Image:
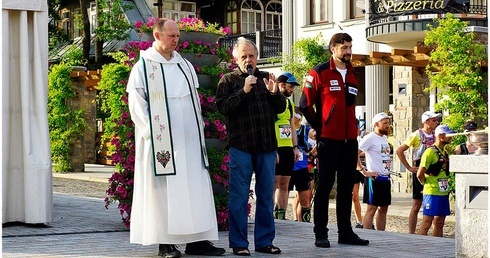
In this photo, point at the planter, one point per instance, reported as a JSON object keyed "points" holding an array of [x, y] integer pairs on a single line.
{"points": [[219, 188], [215, 143], [147, 36], [206, 81], [202, 59], [198, 36]]}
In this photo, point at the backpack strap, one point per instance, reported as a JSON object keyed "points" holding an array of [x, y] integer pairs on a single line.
{"points": [[464, 149]]}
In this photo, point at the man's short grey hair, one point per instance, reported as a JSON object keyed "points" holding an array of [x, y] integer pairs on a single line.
{"points": [[242, 40]]}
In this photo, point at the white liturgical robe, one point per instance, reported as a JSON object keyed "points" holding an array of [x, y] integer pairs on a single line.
{"points": [[178, 208]]}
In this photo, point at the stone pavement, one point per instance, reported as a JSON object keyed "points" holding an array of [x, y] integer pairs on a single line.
{"points": [[82, 227]]}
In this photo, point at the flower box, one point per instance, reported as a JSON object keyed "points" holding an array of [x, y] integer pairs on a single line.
{"points": [[201, 59], [192, 36]]}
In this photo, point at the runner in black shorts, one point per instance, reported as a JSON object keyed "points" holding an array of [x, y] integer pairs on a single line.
{"points": [[301, 178]]}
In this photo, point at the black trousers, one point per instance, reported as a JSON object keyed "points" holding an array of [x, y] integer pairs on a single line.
{"points": [[335, 158]]}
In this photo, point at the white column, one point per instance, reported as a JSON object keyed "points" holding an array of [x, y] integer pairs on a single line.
{"points": [[377, 88], [287, 27]]}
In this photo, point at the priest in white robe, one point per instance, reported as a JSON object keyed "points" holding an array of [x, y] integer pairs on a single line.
{"points": [[27, 189], [172, 199]]}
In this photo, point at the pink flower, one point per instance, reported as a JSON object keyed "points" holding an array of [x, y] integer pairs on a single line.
{"points": [[226, 31], [138, 24], [185, 44], [132, 55], [124, 99], [226, 158], [224, 167], [210, 99]]}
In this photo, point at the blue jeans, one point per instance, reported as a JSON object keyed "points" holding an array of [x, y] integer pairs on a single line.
{"points": [[241, 166]]}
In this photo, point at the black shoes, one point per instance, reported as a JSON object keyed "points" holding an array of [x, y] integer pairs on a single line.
{"points": [[168, 251], [203, 248], [352, 239], [322, 242]]}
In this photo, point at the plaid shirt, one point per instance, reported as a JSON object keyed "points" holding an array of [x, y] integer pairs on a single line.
{"points": [[250, 117]]}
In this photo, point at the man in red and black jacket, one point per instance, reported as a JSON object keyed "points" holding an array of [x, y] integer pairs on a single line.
{"points": [[328, 103]]}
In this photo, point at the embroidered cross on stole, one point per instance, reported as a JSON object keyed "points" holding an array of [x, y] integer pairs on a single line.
{"points": [[163, 155]]}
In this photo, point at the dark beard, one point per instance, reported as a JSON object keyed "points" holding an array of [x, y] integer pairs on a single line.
{"points": [[345, 60], [286, 94], [384, 132]]}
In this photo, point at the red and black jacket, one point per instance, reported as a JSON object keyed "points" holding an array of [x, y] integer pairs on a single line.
{"points": [[328, 103]]}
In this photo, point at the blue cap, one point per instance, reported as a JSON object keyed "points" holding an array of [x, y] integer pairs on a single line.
{"points": [[442, 129], [287, 78]]}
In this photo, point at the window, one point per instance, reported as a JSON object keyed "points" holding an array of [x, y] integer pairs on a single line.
{"points": [[251, 16], [177, 10], [273, 15], [231, 16], [93, 17], [357, 9], [318, 11]]}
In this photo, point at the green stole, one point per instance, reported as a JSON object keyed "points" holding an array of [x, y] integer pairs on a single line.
{"points": [[162, 150]]}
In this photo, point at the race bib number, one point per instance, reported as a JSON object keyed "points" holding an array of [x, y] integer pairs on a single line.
{"points": [[443, 185], [285, 131], [301, 157]]}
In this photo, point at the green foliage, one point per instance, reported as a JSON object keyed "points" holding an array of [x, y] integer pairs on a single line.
{"points": [[65, 123], [111, 20], [112, 88], [73, 57], [462, 89], [306, 53], [119, 56]]}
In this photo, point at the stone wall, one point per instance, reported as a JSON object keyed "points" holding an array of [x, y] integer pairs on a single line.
{"points": [[410, 102], [83, 148]]}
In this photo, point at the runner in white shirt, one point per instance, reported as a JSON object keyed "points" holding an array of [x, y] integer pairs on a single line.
{"points": [[377, 185]]}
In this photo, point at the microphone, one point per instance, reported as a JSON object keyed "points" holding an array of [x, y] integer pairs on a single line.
{"points": [[250, 70]]}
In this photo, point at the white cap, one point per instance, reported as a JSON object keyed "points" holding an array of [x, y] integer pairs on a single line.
{"points": [[380, 116], [442, 129], [428, 115]]}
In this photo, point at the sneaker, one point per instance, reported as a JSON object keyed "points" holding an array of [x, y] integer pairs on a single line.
{"points": [[168, 251], [359, 225], [203, 248], [280, 214], [352, 239]]}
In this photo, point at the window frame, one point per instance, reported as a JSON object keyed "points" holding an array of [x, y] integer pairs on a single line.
{"points": [[277, 14], [328, 15], [256, 13]]}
